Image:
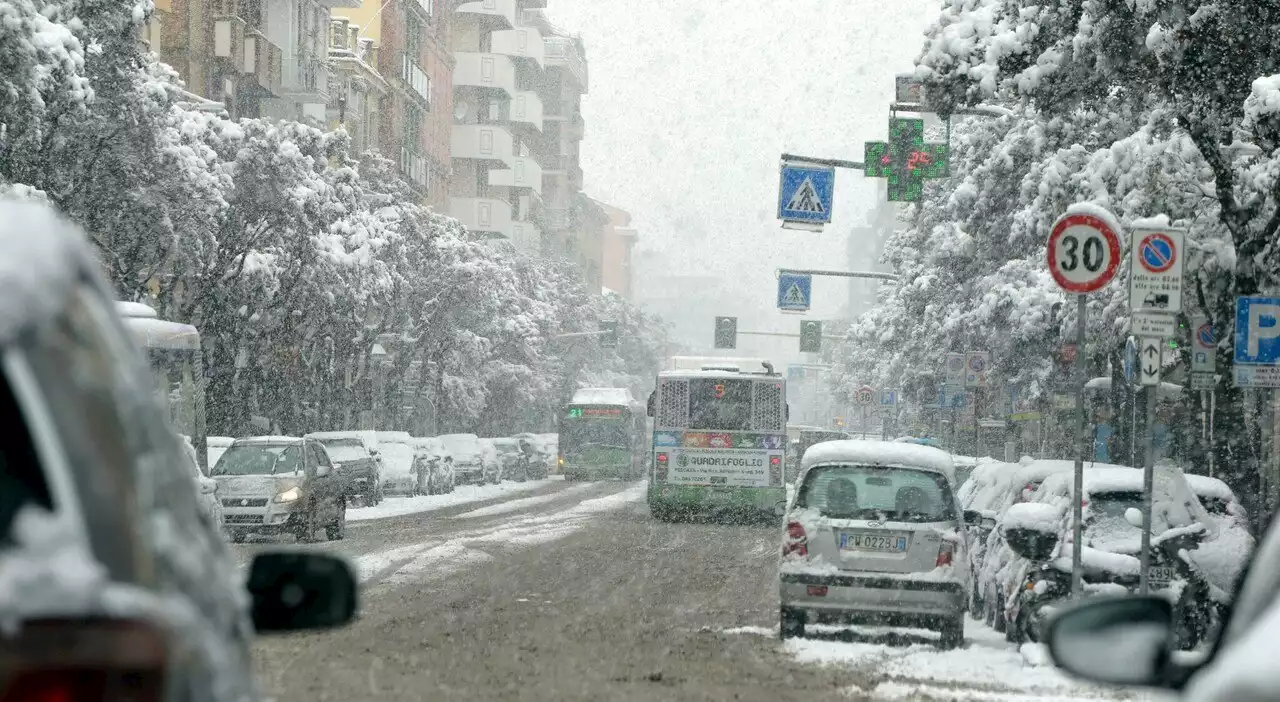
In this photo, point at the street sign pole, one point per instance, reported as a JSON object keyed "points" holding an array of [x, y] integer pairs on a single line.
{"points": [[1148, 477], [1077, 513], [1083, 256]]}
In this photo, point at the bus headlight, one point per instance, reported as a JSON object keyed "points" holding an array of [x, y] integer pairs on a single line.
{"points": [[290, 495]]}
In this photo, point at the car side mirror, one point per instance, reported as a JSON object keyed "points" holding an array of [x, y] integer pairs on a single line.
{"points": [[208, 487], [297, 591], [322, 471], [1119, 641], [972, 517], [779, 508]]}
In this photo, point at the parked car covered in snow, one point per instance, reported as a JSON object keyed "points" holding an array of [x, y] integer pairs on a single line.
{"points": [[116, 586], [467, 455], [873, 535], [357, 452], [491, 461], [539, 453], [397, 449], [1207, 556], [432, 467], [513, 465]]}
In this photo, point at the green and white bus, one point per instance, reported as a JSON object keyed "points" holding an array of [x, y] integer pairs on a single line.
{"points": [[719, 442], [602, 436]]}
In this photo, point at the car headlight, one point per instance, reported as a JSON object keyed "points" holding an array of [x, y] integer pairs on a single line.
{"points": [[289, 495]]}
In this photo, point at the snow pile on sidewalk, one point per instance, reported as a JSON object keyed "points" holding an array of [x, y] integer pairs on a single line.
{"points": [[463, 494], [906, 664]]}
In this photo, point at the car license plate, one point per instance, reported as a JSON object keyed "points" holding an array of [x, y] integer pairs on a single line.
{"points": [[879, 543], [1159, 575]]}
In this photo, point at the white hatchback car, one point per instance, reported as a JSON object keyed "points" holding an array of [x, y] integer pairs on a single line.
{"points": [[874, 536]]}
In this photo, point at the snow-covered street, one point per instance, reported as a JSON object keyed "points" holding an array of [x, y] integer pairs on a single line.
{"points": [[572, 591]]}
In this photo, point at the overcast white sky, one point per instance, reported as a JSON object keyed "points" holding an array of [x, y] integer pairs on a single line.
{"points": [[692, 101]]}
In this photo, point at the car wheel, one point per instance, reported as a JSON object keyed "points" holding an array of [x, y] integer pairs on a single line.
{"points": [[952, 634], [338, 530], [791, 623], [306, 530]]}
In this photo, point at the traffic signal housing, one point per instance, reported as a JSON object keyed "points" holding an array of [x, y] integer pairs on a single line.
{"points": [[608, 335], [810, 336], [726, 332]]}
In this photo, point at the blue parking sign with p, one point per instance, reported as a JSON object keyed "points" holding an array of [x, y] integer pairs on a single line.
{"points": [[1257, 331]]}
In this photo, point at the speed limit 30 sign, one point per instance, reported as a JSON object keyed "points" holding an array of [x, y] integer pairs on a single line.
{"points": [[1084, 252]]}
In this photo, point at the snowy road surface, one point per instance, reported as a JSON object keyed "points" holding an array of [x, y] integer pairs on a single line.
{"points": [[570, 591]]}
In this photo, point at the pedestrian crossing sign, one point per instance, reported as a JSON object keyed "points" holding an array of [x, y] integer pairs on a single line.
{"points": [[804, 194], [793, 292]]}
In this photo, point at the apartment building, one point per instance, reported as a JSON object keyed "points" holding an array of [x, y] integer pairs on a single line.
{"points": [[408, 45], [260, 58], [617, 239]]}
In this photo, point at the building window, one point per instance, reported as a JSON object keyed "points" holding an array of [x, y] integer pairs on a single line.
{"points": [[413, 127], [413, 37]]}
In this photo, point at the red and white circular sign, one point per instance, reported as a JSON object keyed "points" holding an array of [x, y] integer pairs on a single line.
{"points": [[1084, 252], [865, 395]]}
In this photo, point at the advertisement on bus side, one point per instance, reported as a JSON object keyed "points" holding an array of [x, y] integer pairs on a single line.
{"points": [[728, 468]]}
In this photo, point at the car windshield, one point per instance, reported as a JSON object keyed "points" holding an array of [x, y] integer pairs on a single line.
{"points": [[345, 449], [719, 261], [258, 459], [877, 493]]}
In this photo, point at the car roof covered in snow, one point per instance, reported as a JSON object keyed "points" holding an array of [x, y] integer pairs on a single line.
{"points": [[602, 396], [879, 453], [43, 255], [267, 440], [401, 437], [1104, 477], [363, 435]]}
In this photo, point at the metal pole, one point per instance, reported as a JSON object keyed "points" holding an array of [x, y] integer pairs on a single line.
{"points": [[833, 162], [1213, 407], [839, 274], [1078, 492], [955, 420], [1148, 477]]}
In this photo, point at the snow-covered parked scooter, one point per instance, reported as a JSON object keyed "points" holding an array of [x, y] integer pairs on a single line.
{"points": [[1031, 531], [1197, 609]]}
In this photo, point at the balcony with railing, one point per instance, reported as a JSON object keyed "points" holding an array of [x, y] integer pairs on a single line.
{"points": [[484, 70], [521, 42], [503, 11], [563, 52], [486, 142], [414, 78], [264, 61], [306, 78], [482, 214], [522, 172], [526, 107]]}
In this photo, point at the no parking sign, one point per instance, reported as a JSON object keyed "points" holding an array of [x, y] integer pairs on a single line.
{"points": [[1155, 270]]}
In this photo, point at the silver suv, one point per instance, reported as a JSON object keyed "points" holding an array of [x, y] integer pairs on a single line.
{"points": [[874, 536]]}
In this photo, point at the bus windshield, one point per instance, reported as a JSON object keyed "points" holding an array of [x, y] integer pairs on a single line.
{"points": [[599, 432], [175, 374], [720, 404]]}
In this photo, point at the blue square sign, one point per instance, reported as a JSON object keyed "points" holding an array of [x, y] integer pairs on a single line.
{"points": [[793, 292], [805, 193], [1257, 331]]}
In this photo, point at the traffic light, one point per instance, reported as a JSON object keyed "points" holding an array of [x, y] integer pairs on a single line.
{"points": [[726, 332], [608, 335], [810, 337]]}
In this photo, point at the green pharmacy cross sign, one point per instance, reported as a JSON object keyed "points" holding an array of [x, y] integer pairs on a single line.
{"points": [[906, 160]]}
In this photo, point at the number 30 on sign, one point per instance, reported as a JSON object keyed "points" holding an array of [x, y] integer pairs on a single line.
{"points": [[1084, 252]]}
